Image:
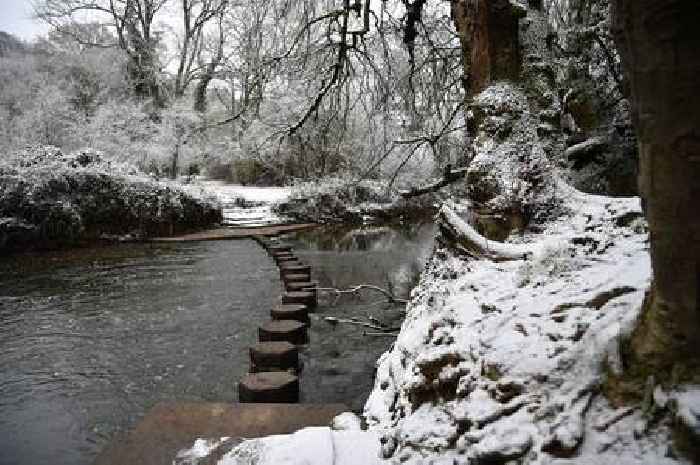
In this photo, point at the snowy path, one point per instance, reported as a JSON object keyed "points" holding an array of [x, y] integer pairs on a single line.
{"points": [[245, 206]]}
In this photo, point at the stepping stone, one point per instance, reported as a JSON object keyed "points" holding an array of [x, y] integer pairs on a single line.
{"points": [[295, 278], [307, 298], [279, 253], [302, 286], [272, 248], [299, 312], [294, 268], [269, 387], [283, 330], [274, 356], [286, 259]]}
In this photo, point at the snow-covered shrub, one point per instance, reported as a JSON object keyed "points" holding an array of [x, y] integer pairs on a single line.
{"points": [[56, 199]]}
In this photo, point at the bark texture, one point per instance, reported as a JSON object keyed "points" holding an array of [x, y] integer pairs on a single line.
{"points": [[488, 33], [660, 47]]}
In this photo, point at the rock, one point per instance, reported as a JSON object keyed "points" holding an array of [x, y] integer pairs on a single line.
{"points": [[274, 356], [298, 312], [269, 387], [295, 278], [294, 268], [283, 330], [286, 259], [502, 446], [347, 421], [310, 286], [272, 248], [281, 253], [306, 298]]}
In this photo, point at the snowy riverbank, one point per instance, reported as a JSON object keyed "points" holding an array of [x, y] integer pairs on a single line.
{"points": [[503, 361]]}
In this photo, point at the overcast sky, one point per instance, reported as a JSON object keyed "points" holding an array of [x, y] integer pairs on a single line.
{"points": [[16, 18]]}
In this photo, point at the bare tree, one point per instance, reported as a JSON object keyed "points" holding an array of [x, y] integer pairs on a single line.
{"points": [[133, 24]]}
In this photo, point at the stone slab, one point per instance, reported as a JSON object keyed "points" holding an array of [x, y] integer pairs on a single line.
{"points": [[283, 330], [172, 426], [269, 386], [234, 233]]}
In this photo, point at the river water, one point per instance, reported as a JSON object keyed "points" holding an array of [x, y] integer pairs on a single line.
{"points": [[91, 338]]}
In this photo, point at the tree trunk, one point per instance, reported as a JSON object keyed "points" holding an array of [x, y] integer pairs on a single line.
{"points": [[660, 46], [200, 91], [488, 34]]}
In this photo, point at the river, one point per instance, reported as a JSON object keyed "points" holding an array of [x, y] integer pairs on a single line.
{"points": [[91, 338]]}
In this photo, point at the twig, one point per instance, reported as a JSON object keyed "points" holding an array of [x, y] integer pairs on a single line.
{"points": [[365, 333], [356, 290], [334, 320]]}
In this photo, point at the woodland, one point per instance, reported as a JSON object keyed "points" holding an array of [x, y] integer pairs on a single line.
{"points": [[556, 143]]}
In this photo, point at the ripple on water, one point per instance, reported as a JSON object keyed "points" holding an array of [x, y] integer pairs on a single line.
{"points": [[92, 338]]}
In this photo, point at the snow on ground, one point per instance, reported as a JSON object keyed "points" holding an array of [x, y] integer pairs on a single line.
{"points": [[342, 444], [503, 360], [245, 206]]}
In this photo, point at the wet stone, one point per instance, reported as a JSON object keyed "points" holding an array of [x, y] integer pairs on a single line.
{"points": [[272, 248], [295, 278], [307, 298], [274, 356], [302, 286], [298, 312], [286, 259], [269, 387], [294, 269], [283, 330], [281, 253]]}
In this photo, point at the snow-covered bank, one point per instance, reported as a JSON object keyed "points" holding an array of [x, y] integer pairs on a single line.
{"points": [[342, 443], [500, 361], [503, 361], [51, 199]]}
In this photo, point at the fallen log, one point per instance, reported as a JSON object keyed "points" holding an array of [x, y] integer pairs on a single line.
{"points": [[454, 229]]}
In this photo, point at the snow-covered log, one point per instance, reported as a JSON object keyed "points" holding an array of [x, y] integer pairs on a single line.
{"points": [[456, 229]]}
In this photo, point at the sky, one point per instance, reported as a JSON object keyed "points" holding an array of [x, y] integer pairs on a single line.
{"points": [[16, 18]]}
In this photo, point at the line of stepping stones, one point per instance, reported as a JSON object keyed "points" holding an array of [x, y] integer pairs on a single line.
{"points": [[274, 360]]}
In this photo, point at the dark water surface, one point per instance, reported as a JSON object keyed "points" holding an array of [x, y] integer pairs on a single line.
{"points": [[90, 339]]}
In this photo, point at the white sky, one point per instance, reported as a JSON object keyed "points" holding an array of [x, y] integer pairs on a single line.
{"points": [[16, 18]]}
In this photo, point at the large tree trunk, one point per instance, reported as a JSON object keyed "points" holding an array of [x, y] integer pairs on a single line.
{"points": [[660, 45], [488, 34]]}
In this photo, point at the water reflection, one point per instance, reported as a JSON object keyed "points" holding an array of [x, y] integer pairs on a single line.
{"points": [[340, 360]]}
